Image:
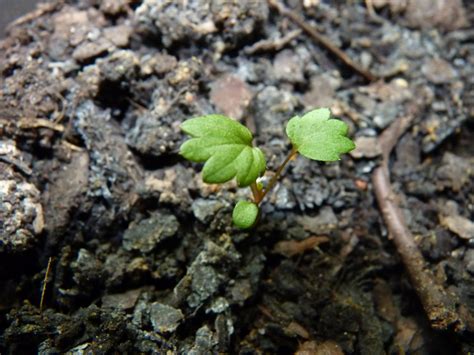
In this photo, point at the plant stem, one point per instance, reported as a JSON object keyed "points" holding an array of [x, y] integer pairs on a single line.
{"points": [[275, 177], [255, 192]]}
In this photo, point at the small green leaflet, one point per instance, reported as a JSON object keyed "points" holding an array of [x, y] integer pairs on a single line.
{"points": [[226, 147], [319, 137], [245, 214]]}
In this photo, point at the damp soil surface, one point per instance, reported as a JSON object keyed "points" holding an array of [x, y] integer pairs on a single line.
{"points": [[140, 256]]}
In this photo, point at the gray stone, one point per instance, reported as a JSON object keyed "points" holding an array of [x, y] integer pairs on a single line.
{"points": [[114, 7], [366, 147], [324, 222], [469, 261], [202, 280], [205, 282], [120, 65], [386, 113], [443, 14], [438, 71], [288, 66], [123, 301], [322, 91], [313, 195], [204, 343], [455, 171], [21, 212], [173, 21], [164, 318], [118, 35], [89, 50], [231, 96], [148, 233], [241, 291], [284, 199], [204, 210], [274, 104], [219, 305], [176, 21], [459, 225]]}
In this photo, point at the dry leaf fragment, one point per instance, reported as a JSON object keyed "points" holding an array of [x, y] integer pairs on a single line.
{"points": [[289, 248]]}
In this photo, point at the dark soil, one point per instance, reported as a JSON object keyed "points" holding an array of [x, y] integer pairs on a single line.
{"points": [[143, 255]]}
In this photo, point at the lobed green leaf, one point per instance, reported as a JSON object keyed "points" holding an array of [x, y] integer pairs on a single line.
{"points": [[317, 136], [226, 147], [217, 126]]}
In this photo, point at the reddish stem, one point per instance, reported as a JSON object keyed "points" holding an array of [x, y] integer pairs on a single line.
{"points": [[275, 177], [255, 192]]}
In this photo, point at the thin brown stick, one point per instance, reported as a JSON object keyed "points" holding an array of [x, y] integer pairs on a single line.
{"points": [[440, 308], [370, 10], [41, 9], [272, 44], [45, 283], [322, 40], [19, 164], [276, 176], [256, 192], [30, 123]]}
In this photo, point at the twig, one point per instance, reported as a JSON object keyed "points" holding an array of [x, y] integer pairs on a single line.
{"points": [[256, 192], [45, 282], [439, 307], [322, 40], [370, 10], [20, 165], [276, 176], [71, 146], [29, 123], [41, 9], [62, 113], [272, 44]]}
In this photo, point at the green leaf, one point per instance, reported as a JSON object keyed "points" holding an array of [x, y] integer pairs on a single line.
{"points": [[226, 147], [319, 137], [245, 214]]}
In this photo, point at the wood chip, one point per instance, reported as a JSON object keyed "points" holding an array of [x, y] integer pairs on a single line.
{"points": [[289, 248]]}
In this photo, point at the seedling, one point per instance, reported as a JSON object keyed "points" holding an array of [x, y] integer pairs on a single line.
{"points": [[226, 148]]}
